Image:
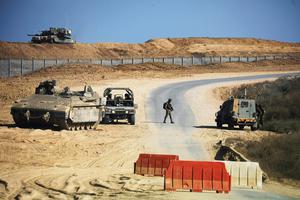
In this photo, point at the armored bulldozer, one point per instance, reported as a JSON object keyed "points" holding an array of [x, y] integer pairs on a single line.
{"points": [[119, 105], [71, 110], [53, 35], [237, 112]]}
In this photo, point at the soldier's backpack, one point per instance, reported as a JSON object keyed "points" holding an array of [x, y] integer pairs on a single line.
{"points": [[165, 105]]}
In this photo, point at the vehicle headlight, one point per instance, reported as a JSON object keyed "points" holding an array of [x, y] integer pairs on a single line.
{"points": [[126, 112], [113, 111]]}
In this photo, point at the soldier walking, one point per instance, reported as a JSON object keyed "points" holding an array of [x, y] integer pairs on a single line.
{"points": [[168, 108], [260, 114]]}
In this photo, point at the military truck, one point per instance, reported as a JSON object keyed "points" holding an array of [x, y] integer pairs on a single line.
{"points": [[237, 112], [71, 110], [53, 35], [119, 105]]}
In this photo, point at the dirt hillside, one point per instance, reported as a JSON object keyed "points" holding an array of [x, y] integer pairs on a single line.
{"points": [[151, 48]]}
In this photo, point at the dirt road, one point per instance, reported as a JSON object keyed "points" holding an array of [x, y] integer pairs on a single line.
{"points": [[181, 138], [50, 164]]}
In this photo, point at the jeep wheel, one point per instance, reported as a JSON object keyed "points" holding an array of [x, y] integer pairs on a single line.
{"points": [[20, 120], [241, 127], [106, 120], [219, 124], [230, 126], [131, 119], [254, 127]]}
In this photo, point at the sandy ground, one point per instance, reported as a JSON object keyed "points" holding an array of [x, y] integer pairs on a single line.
{"points": [[152, 48], [49, 164]]}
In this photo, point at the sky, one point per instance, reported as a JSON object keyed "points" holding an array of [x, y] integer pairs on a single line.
{"points": [[136, 21]]}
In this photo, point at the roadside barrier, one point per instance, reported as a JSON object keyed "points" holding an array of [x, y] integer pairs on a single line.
{"points": [[197, 176], [153, 164], [244, 174]]}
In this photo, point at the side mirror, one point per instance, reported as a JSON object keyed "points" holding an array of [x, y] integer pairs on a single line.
{"points": [[220, 107]]}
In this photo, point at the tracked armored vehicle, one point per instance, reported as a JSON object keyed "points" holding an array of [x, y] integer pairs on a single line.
{"points": [[237, 112], [119, 105], [67, 109], [53, 35]]}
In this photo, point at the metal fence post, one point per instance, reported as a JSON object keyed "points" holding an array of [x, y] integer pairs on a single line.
{"points": [[143, 60], [247, 59], [56, 61], [21, 66], [220, 59], [44, 63], [192, 60], [181, 61], [9, 66], [132, 60], [32, 65]]}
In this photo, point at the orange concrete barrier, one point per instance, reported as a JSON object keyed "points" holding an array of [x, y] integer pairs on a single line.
{"points": [[197, 176], [153, 164]]}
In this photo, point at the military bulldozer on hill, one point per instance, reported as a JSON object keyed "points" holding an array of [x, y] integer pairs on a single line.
{"points": [[119, 105], [238, 112], [71, 110], [53, 35]]}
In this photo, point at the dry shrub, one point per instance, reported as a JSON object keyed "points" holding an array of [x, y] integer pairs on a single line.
{"points": [[278, 156]]}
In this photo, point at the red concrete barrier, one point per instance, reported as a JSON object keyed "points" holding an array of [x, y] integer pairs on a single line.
{"points": [[153, 164], [197, 176]]}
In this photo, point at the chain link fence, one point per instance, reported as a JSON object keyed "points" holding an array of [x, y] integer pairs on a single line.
{"points": [[16, 67]]}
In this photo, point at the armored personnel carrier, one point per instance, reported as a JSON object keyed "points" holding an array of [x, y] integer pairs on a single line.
{"points": [[119, 105], [237, 112], [67, 109], [53, 35]]}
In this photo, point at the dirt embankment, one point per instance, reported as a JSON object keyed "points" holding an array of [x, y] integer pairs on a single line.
{"points": [[152, 48]]}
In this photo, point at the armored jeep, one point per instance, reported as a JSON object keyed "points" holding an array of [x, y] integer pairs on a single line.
{"points": [[67, 109], [119, 105], [237, 112]]}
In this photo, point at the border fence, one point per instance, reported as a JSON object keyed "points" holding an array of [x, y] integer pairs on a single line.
{"points": [[16, 67]]}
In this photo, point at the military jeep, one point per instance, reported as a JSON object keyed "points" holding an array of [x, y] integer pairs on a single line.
{"points": [[119, 105], [237, 112]]}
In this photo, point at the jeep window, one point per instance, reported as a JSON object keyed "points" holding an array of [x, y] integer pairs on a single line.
{"points": [[244, 104]]}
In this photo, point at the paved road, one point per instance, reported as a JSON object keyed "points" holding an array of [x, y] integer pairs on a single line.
{"points": [[177, 138]]}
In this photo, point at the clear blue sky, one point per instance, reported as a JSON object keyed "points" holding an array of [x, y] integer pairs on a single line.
{"points": [[136, 21]]}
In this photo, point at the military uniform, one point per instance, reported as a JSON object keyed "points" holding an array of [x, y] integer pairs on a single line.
{"points": [[260, 113], [168, 108]]}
